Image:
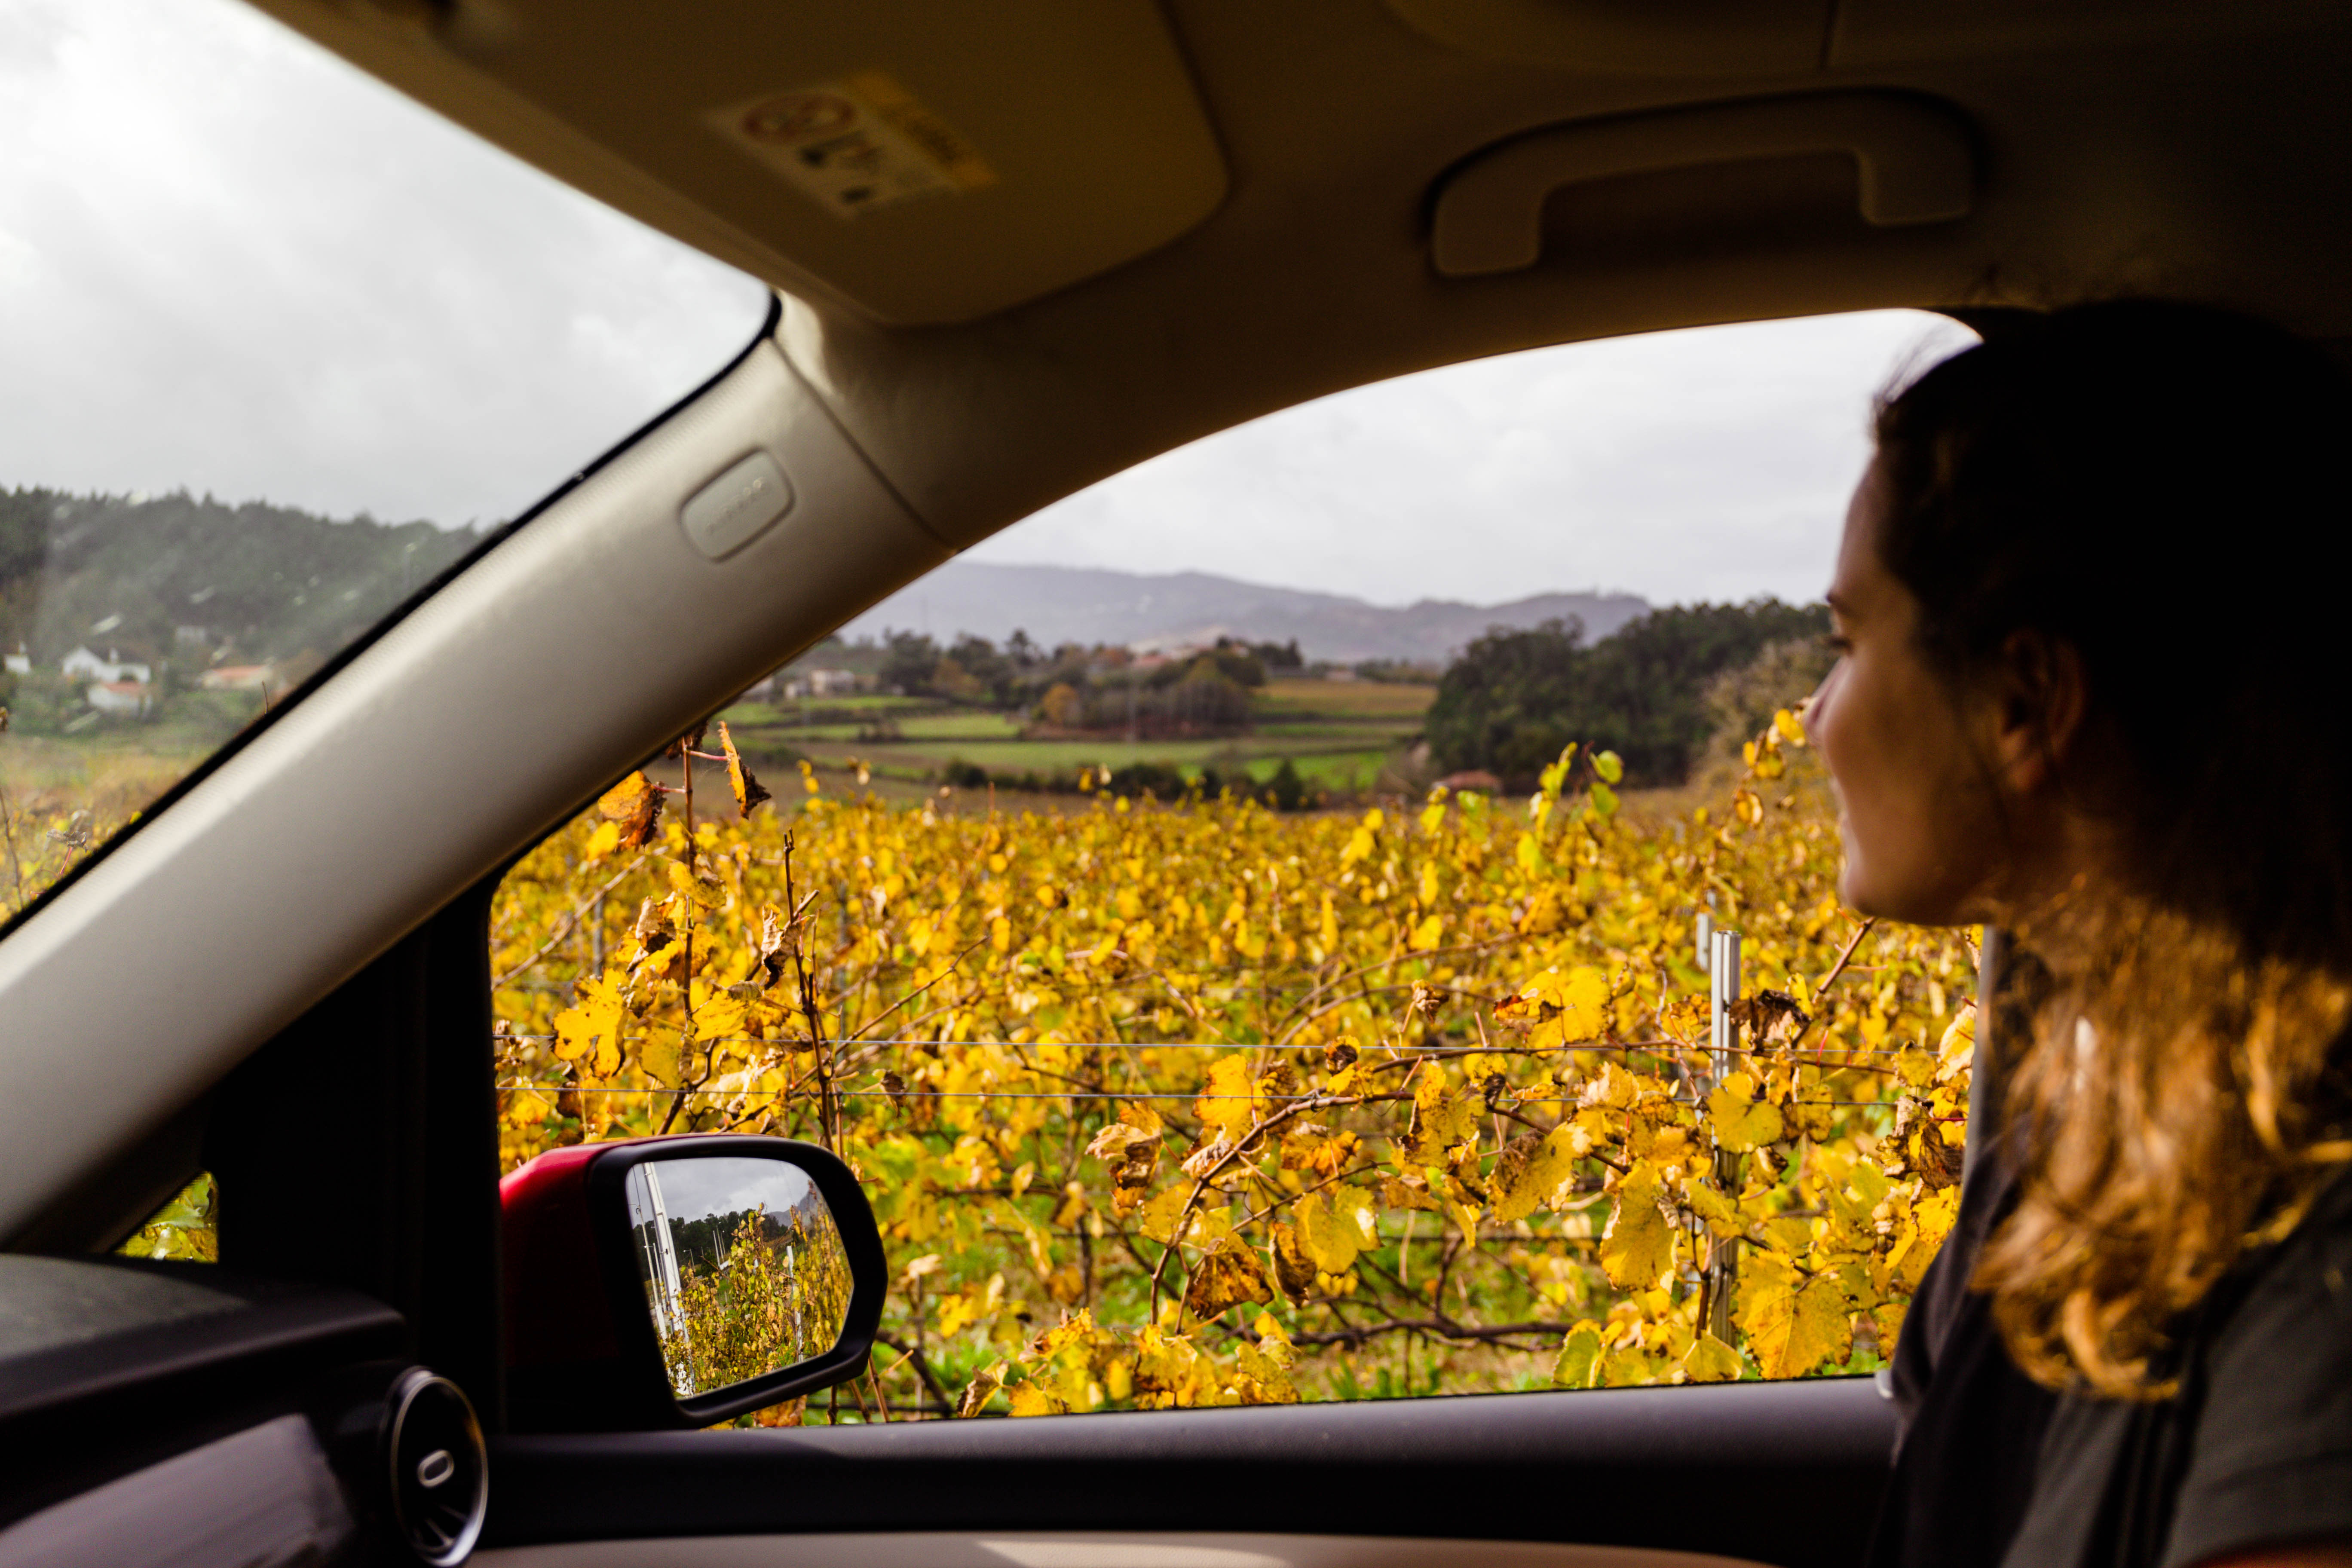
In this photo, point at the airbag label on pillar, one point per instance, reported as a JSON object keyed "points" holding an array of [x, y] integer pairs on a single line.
{"points": [[737, 507]]}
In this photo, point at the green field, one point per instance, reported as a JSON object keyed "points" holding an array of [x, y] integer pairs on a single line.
{"points": [[1344, 738]]}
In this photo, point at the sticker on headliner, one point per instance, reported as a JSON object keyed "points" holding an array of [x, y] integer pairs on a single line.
{"points": [[856, 144]]}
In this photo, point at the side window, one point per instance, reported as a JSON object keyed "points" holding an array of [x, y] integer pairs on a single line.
{"points": [[1232, 994], [283, 348]]}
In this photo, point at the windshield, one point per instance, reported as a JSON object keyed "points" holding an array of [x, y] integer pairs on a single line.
{"points": [[283, 348]]}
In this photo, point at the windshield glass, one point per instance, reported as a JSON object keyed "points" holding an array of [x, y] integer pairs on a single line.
{"points": [[282, 347]]}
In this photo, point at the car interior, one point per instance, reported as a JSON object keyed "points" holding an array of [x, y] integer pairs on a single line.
{"points": [[1125, 225]]}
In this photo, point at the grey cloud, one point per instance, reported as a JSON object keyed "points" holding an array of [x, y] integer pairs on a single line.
{"points": [[1712, 463], [231, 263]]}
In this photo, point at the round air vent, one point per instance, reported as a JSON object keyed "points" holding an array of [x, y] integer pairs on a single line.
{"points": [[440, 1472]]}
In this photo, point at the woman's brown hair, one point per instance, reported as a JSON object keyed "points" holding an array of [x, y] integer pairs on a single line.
{"points": [[2160, 487]]}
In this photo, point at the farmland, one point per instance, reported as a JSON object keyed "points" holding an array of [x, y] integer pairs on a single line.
{"points": [[1344, 737]]}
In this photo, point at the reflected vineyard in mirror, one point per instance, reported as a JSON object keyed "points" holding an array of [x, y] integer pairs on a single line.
{"points": [[742, 1264]]}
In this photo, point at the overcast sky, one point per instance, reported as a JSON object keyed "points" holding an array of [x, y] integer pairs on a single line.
{"points": [[231, 263], [697, 1189], [1708, 464]]}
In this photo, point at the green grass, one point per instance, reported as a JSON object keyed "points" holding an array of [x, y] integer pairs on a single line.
{"points": [[767, 715], [1351, 699], [1042, 756], [790, 734], [1307, 730], [961, 727], [1340, 735], [1329, 769]]}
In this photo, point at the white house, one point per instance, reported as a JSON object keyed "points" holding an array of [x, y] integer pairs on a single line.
{"points": [[82, 664], [17, 663], [131, 698], [820, 683]]}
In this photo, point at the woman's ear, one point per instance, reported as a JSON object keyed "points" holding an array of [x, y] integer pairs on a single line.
{"points": [[2039, 700]]}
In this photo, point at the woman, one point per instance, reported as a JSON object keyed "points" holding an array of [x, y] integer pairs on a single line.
{"points": [[2092, 692]]}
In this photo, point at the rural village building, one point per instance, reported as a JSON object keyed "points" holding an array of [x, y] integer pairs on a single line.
{"points": [[238, 678], [130, 699], [83, 665]]}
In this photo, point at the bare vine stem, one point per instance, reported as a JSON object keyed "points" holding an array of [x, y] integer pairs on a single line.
{"points": [[1831, 979]]}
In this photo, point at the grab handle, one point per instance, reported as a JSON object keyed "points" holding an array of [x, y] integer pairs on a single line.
{"points": [[1916, 162]]}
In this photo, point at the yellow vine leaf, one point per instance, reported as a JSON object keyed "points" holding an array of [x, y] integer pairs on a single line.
{"points": [[1226, 1276], [591, 1027], [1956, 1050], [1722, 1216], [1113, 1141], [1529, 1173], [1711, 1361], [1334, 1226], [1293, 1269], [1226, 1100], [746, 787], [1741, 1121], [981, 1390], [1565, 1009], [719, 1021], [1441, 1118], [1579, 1364], [1638, 1246], [1202, 1228], [635, 806], [1792, 1322]]}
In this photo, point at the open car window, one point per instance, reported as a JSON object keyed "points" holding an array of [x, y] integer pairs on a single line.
{"points": [[1233, 994], [284, 348]]}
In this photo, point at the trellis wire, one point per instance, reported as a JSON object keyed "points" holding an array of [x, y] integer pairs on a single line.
{"points": [[1039, 1094], [1653, 1047]]}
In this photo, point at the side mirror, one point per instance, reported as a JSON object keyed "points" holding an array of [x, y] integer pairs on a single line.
{"points": [[679, 1282]]}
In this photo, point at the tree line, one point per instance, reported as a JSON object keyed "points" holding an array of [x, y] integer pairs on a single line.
{"points": [[1653, 692]]}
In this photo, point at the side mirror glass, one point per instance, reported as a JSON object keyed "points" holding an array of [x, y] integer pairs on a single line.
{"points": [[682, 1281], [742, 1265]]}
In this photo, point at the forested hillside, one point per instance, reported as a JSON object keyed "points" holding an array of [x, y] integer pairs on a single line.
{"points": [[1515, 698], [205, 578]]}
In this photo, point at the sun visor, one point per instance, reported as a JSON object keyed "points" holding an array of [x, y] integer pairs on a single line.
{"points": [[926, 164]]}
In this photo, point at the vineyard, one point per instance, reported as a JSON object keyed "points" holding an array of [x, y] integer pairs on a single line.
{"points": [[1195, 1103]]}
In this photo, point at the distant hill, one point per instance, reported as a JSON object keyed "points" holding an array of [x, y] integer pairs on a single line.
{"points": [[1056, 604], [178, 575]]}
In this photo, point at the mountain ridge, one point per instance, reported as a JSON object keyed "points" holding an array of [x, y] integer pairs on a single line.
{"points": [[1055, 605]]}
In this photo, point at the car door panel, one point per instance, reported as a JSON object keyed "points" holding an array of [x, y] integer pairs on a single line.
{"points": [[263, 1496], [1086, 1549], [1781, 1472], [107, 1368]]}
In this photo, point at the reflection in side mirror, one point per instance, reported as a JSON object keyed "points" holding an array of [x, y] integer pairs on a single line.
{"points": [[743, 1269]]}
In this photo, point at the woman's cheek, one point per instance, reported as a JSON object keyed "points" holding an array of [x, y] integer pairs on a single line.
{"points": [[1852, 741]]}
